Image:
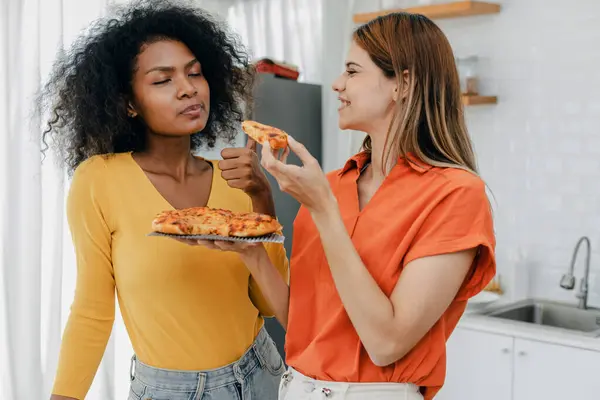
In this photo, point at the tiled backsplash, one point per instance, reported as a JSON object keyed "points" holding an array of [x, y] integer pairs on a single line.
{"points": [[539, 147]]}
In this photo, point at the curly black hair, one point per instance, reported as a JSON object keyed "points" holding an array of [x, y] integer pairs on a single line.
{"points": [[88, 90]]}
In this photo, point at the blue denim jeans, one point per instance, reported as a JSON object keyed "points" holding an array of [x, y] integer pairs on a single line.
{"points": [[255, 376]]}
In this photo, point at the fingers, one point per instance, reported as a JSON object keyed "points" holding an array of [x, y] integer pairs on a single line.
{"points": [[237, 173], [225, 246], [219, 244], [276, 167], [206, 243], [190, 242], [268, 159], [276, 153], [237, 183], [234, 152], [284, 156], [251, 144], [245, 159], [235, 246]]}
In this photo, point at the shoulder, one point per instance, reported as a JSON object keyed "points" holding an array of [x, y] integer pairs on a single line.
{"points": [[333, 175], [100, 164], [457, 179], [88, 176], [91, 166], [456, 191], [92, 177]]}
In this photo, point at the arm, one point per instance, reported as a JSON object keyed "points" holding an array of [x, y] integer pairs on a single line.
{"points": [[268, 266], [262, 202], [436, 268], [390, 327], [269, 285], [269, 275], [93, 309]]}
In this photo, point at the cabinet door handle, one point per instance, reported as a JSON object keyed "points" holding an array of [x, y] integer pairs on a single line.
{"points": [[506, 350], [522, 353]]}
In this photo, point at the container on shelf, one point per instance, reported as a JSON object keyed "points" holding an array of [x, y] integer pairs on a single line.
{"points": [[468, 75]]}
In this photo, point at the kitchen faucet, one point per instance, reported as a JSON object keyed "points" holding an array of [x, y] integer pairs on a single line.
{"points": [[568, 280]]}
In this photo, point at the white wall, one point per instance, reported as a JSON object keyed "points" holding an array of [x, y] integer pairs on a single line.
{"points": [[539, 147]]}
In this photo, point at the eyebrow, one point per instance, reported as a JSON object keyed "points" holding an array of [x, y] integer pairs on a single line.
{"points": [[171, 69], [352, 64]]}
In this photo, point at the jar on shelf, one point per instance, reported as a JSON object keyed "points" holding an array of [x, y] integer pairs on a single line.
{"points": [[468, 75]]}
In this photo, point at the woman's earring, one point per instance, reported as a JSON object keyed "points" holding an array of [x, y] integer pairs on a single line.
{"points": [[131, 114]]}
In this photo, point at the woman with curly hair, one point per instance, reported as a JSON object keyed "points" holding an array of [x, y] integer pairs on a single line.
{"points": [[129, 105]]}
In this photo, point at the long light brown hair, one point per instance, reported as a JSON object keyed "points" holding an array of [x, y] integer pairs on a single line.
{"points": [[428, 121]]}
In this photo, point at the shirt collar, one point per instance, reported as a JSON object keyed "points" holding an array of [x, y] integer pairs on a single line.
{"points": [[358, 161]]}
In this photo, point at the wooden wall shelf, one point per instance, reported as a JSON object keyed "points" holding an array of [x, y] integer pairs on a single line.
{"points": [[478, 100], [438, 11]]}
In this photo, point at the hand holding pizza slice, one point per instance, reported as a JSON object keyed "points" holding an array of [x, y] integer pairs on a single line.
{"points": [[306, 183]]}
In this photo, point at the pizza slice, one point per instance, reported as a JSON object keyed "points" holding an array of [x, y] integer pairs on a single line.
{"points": [[276, 137]]}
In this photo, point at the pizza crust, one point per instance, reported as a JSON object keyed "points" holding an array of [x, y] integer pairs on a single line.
{"points": [[261, 133]]}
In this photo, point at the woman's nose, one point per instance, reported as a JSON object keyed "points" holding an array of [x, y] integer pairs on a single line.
{"points": [[337, 85], [187, 89]]}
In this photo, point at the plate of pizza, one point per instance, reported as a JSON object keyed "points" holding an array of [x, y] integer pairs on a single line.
{"points": [[262, 133], [217, 224]]}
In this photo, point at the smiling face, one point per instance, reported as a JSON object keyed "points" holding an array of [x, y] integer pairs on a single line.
{"points": [[367, 97], [170, 93]]}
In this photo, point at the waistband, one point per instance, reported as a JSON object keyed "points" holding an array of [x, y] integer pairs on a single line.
{"points": [[169, 379], [329, 387]]}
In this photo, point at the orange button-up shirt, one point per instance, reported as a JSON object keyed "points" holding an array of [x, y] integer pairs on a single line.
{"points": [[418, 211]]}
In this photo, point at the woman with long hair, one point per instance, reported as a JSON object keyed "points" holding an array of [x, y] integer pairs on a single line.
{"points": [[388, 249], [129, 106]]}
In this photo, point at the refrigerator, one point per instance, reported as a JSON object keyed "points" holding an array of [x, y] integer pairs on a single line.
{"points": [[294, 107]]}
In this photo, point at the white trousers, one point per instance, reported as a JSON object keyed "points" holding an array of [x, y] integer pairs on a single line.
{"points": [[295, 386]]}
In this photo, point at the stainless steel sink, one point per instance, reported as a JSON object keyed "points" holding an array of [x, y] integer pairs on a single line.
{"points": [[551, 314]]}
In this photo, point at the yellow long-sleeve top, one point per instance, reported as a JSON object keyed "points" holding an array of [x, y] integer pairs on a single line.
{"points": [[184, 307]]}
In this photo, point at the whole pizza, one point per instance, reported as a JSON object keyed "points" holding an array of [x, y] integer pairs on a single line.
{"points": [[206, 221]]}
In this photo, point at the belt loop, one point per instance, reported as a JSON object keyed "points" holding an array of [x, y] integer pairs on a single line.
{"points": [[258, 353], [132, 367]]}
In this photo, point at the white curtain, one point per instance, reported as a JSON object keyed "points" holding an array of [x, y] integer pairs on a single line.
{"points": [[36, 274]]}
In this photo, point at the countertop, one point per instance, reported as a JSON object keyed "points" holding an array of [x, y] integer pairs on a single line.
{"points": [[472, 319]]}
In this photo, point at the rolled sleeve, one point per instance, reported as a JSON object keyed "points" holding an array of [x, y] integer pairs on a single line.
{"points": [[460, 221]]}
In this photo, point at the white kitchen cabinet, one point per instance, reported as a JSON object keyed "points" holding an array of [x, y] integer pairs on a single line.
{"points": [[479, 366], [490, 366], [552, 372]]}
